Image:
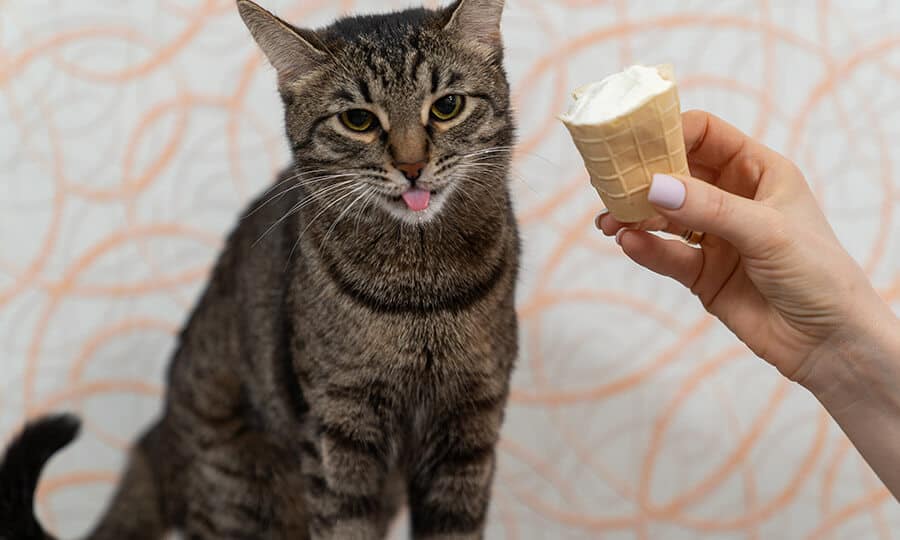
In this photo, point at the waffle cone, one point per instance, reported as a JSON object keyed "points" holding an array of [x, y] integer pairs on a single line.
{"points": [[623, 154]]}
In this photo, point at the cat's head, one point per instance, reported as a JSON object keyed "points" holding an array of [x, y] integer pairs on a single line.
{"points": [[397, 113]]}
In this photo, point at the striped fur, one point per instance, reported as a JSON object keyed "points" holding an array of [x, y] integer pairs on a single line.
{"points": [[341, 364]]}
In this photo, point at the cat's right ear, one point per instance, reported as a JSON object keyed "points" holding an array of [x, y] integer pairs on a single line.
{"points": [[290, 50]]}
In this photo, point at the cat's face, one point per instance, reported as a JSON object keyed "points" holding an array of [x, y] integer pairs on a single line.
{"points": [[395, 113]]}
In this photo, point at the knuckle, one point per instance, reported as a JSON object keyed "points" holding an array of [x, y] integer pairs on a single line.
{"points": [[793, 172], [749, 166], [792, 168]]}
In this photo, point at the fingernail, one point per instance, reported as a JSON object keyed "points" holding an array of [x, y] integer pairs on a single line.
{"points": [[598, 220], [666, 191], [619, 236]]}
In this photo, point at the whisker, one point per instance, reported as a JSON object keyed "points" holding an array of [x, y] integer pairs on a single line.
{"points": [[299, 184], [313, 220], [484, 186], [297, 207], [342, 214], [369, 197], [298, 172], [301, 180], [322, 192], [516, 150], [512, 172]]}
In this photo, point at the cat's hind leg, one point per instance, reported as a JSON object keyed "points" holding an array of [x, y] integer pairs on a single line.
{"points": [[244, 487], [136, 512]]}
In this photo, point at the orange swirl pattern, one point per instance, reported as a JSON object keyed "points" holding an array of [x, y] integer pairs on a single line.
{"points": [[133, 132]]}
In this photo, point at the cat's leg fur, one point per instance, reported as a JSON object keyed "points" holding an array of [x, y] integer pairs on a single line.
{"points": [[245, 487], [135, 511], [346, 465], [235, 482], [450, 487], [451, 500]]}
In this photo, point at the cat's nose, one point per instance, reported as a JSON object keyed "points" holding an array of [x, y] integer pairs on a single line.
{"points": [[411, 171]]}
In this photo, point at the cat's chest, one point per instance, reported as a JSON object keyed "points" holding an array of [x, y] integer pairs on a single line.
{"points": [[347, 327]]}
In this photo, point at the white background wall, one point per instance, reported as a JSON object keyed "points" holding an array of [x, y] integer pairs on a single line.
{"points": [[132, 132]]}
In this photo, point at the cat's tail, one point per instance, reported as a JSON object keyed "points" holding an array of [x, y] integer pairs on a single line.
{"points": [[20, 469]]}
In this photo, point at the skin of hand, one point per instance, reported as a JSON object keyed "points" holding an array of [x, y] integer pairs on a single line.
{"points": [[773, 271], [771, 267]]}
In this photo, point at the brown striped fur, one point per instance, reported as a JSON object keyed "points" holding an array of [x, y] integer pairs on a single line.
{"points": [[347, 356]]}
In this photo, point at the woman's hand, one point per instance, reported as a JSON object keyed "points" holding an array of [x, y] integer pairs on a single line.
{"points": [[770, 266]]}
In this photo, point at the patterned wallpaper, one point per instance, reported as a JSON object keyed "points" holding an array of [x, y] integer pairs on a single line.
{"points": [[132, 132]]}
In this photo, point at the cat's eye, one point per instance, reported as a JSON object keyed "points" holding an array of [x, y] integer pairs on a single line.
{"points": [[358, 120], [447, 108]]}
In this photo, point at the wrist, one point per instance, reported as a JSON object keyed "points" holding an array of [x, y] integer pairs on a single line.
{"points": [[859, 363]]}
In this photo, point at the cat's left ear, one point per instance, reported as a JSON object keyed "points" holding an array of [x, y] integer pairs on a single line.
{"points": [[478, 20], [290, 50]]}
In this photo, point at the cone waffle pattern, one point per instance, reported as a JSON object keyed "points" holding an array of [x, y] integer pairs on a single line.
{"points": [[622, 155]]}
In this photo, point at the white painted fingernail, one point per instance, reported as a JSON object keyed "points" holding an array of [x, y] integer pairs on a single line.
{"points": [[667, 192]]}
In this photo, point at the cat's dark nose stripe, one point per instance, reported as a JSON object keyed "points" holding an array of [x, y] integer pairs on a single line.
{"points": [[411, 171]]}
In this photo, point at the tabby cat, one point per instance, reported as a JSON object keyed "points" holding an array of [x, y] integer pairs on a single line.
{"points": [[353, 348]]}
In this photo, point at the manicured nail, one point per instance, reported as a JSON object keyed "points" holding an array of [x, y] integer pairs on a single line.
{"points": [[619, 235], [598, 219], [666, 191]]}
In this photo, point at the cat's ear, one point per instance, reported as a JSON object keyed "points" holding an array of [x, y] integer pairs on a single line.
{"points": [[478, 20], [290, 50]]}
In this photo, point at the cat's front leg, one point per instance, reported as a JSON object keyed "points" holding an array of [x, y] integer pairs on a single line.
{"points": [[346, 464], [450, 492]]}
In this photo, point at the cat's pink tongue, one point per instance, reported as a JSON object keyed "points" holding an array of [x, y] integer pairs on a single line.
{"points": [[416, 199]]}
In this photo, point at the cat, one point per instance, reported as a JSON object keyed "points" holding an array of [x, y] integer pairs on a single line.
{"points": [[353, 348]]}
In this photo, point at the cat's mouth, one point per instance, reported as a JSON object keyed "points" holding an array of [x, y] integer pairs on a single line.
{"points": [[416, 199], [417, 204]]}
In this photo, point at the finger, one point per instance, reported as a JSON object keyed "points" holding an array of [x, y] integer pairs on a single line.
{"points": [[666, 257], [710, 140], [703, 172], [738, 162], [610, 226], [703, 207], [607, 223]]}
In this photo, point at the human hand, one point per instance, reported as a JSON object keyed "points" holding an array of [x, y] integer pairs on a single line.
{"points": [[770, 267]]}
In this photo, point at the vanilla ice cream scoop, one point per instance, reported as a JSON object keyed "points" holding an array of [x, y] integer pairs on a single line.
{"points": [[616, 95], [627, 128]]}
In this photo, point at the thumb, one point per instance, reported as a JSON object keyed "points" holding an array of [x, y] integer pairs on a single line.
{"points": [[704, 207]]}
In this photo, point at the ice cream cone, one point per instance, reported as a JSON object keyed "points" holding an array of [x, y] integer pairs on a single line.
{"points": [[624, 153]]}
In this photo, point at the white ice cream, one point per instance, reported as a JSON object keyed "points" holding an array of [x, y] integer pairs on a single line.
{"points": [[616, 95]]}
